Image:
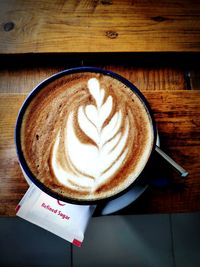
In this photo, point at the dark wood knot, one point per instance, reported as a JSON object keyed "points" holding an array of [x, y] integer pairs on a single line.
{"points": [[106, 2], [112, 34], [8, 26], [159, 18]]}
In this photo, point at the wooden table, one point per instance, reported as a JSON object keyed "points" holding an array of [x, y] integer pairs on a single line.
{"points": [[154, 44]]}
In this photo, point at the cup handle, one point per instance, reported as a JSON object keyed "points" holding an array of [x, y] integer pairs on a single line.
{"points": [[176, 166]]}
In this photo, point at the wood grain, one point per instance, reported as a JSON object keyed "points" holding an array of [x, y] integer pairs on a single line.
{"points": [[177, 115], [12, 182], [22, 79], [195, 79], [99, 26]]}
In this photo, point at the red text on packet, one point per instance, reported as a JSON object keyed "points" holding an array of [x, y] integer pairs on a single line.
{"points": [[55, 211]]}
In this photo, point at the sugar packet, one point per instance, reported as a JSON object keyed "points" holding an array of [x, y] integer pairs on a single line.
{"points": [[65, 220]]}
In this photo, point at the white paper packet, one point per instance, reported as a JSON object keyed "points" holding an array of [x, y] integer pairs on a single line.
{"points": [[66, 220]]}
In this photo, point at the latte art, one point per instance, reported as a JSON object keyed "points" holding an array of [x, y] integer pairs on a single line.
{"points": [[92, 164], [86, 136]]}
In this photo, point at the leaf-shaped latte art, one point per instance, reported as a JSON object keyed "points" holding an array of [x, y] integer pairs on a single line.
{"points": [[91, 164]]}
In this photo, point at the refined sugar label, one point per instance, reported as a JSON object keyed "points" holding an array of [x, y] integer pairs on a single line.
{"points": [[63, 219]]}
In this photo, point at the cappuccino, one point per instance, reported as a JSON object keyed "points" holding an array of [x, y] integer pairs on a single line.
{"points": [[86, 136]]}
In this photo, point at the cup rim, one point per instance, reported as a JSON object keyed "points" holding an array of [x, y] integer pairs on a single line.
{"points": [[28, 100]]}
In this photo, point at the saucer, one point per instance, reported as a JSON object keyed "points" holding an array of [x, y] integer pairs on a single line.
{"points": [[127, 198], [124, 200]]}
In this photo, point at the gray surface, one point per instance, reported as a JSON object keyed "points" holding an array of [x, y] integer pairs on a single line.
{"points": [[136, 241], [186, 239], [139, 241], [24, 244]]}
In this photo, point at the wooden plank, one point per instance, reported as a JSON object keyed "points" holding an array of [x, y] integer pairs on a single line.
{"points": [[99, 26], [177, 115], [13, 185], [195, 79], [153, 78], [18, 79]]}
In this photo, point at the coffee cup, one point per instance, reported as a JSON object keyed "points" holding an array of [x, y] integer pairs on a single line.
{"points": [[85, 135]]}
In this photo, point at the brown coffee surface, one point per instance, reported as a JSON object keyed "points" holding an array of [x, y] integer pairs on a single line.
{"points": [[86, 136]]}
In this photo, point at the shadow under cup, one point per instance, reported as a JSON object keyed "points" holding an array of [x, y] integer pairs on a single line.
{"points": [[24, 166]]}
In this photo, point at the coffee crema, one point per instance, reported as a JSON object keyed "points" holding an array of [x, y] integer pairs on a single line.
{"points": [[86, 136]]}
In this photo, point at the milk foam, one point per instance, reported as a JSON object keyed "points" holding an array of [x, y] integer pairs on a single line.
{"points": [[92, 164]]}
